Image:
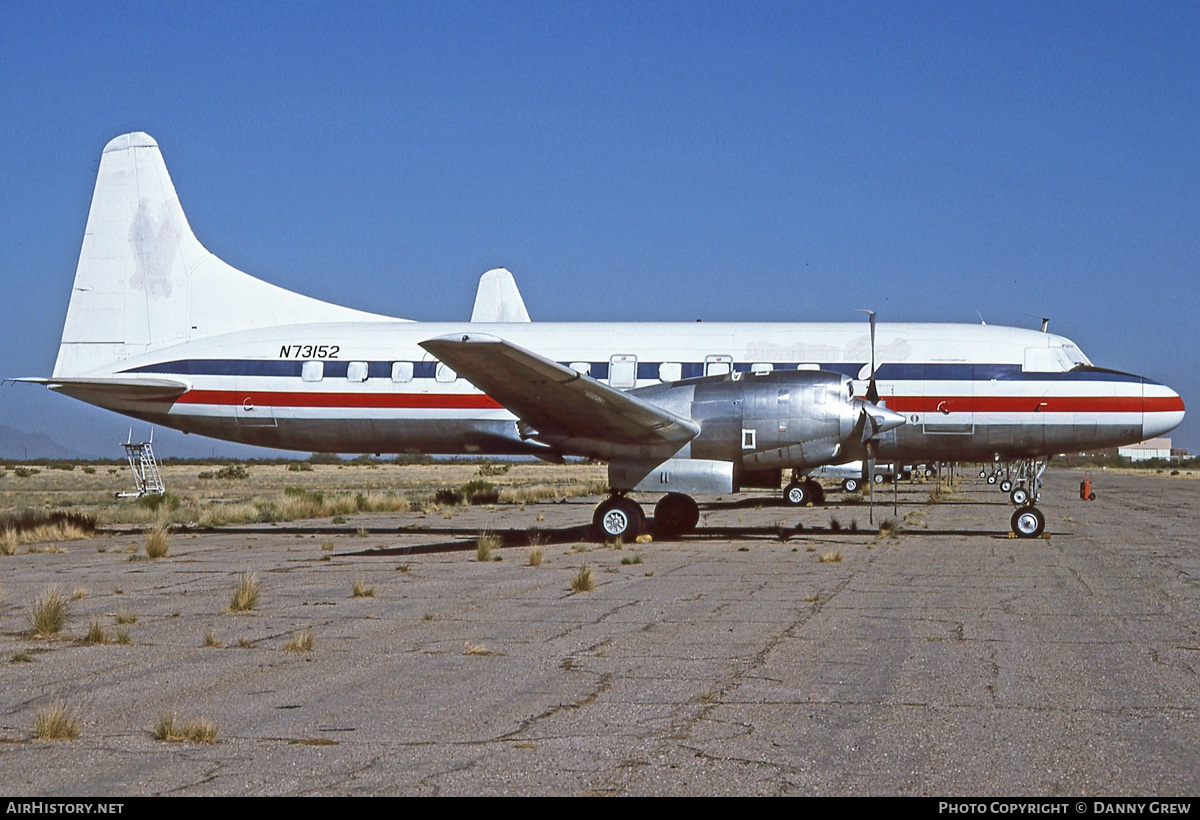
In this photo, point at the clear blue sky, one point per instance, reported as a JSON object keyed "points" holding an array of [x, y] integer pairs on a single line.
{"points": [[743, 161]]}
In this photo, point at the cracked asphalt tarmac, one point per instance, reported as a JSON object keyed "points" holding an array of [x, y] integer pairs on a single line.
{"points": [[780, 652]]}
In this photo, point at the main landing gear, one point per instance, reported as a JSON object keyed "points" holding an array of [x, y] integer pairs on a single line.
{"points": [[801, 493], [622, 517]]}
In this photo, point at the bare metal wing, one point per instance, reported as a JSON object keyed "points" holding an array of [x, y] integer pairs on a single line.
{"points": [[557, 405]]}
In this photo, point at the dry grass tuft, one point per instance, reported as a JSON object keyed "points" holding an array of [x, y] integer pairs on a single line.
{"points": [[170, 729], [486, 544], [158, 542], [584, 580], [834, 557], [636, 558], [79, 593], [124, 616], [536, 556], [476, 649], [55, 722], [889, 529], [361, 590], [95, 633], [123, 637], [245, 594], [210, 640], [326, 546], [302, 642], [8, 542], [48, 614]]}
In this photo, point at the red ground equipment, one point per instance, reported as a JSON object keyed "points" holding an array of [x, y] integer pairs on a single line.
{"points": [[1085, 488]]}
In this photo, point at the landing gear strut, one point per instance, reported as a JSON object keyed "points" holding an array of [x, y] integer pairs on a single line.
{"points": [[619, 517]]}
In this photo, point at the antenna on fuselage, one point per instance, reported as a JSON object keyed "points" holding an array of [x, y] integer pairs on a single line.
{"points": [[1045, 320]]}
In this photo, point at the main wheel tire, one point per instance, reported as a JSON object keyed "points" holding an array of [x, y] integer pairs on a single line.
{"points": [[991, 479], [850, 485], [816, 491], [1028, 522], [880, 478], [1018, 496], [1005, 485], [797, 494], [675, 514], [983, 473], [618, 518]]}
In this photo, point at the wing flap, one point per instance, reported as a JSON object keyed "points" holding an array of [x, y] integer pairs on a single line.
{"points": [[557, 402]]}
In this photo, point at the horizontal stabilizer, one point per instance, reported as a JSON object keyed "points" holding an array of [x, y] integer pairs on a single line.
{"points": [[556, 401], [114, 389]]}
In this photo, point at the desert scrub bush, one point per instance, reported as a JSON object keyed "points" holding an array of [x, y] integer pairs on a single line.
{"points": [[636, 558], [493, 469], [245, 594], [478, 491], [584, 580], [48, 613], [89, 470], [25, 472], [170, 729], [39, 525], [448, 497], [158, 542], [55, 722], [234, 472], [486, 545], [155, 501], [360, 590], [300, 467]]}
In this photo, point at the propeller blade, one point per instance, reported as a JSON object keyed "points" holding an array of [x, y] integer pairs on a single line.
{"points": [[872, 389]]}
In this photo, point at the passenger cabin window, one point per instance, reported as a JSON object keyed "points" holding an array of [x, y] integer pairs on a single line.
{"points": [[402, 371], [717, 365], [444, 374], [583, 368], [761, 368], [622, 372], [748, 439], [356, 372], [312, 371], [670, 372]]}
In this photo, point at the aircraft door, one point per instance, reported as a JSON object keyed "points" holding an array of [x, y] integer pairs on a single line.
{"points": [[948, 406]]}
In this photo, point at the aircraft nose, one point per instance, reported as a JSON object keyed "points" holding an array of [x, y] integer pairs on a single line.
{"points": [[1162, 410]]}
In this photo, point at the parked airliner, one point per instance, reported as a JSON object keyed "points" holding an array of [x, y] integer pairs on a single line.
{"points": [[160, 329]]}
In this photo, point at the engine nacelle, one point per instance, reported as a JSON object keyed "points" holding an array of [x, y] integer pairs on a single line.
{"points": [[765, 421]]}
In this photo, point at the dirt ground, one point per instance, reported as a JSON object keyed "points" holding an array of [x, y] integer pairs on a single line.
{"points": [[777, 651]]}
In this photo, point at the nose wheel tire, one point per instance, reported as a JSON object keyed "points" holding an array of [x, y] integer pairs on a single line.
{"points": [[1028, 522], [1019, 496], [675, 514], [618, 518]]}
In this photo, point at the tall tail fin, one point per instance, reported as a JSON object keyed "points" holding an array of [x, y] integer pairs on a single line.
{"points": [[145, 282], [498, 300]]}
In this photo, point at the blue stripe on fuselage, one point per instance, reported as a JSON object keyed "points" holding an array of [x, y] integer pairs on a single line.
{"points": [[887, 372]]}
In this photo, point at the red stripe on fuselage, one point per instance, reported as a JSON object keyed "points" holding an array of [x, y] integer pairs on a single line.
{"points": [[434, 401], [1033, 404], [901, 404]]}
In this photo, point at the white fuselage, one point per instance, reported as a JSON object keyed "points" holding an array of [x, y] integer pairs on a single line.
{"points": [[968, 392]]}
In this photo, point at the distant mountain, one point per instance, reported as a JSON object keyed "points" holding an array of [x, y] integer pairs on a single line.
{"points": [[16, 445]]}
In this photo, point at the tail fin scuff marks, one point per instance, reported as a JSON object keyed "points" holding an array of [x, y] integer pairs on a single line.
{"points": [[145, 282]]}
